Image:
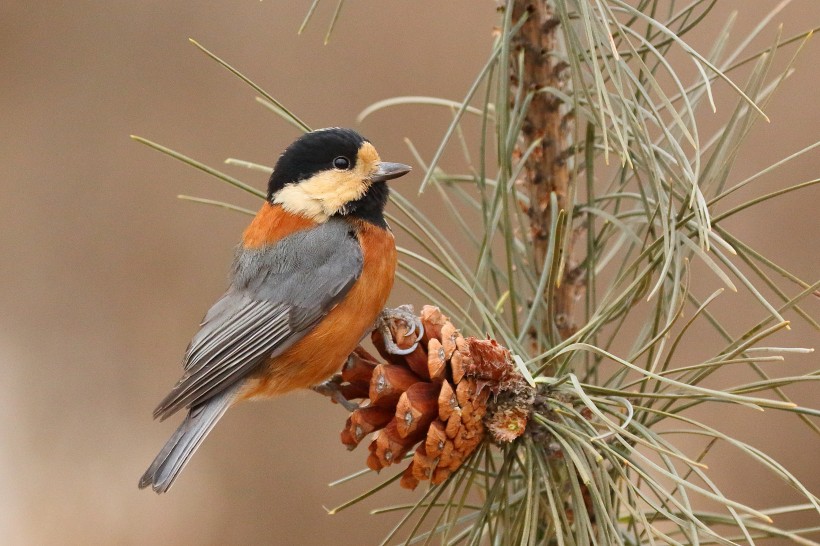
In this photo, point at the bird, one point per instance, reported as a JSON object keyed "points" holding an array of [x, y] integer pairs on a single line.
{"points": [[309, 280]]}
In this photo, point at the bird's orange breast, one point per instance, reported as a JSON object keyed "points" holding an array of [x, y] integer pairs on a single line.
{"points": [[320, 353]]}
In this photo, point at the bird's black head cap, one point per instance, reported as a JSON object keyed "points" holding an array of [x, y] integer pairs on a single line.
{"points": [[312, 153]]}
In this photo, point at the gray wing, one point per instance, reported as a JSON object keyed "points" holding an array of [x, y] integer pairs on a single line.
{"points": [[277, 294]]}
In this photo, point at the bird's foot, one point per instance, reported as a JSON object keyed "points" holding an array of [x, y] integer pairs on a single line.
{"points": [[405, 314], [332, 388]]}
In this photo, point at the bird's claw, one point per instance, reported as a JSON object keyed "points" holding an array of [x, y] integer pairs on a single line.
{"points": [[405, 314], [332, 389]]}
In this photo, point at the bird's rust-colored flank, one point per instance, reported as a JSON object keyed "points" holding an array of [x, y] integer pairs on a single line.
{"points": [[271, 224], [321, 353]]}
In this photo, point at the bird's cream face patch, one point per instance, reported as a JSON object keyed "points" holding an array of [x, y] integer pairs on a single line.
{"points": [[328, 192]]}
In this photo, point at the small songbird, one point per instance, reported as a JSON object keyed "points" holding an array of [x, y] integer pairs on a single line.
{"points": [[309, 280]]}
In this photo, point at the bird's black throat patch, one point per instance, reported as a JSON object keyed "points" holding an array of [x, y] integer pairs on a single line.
{"points": [[370, 206]]}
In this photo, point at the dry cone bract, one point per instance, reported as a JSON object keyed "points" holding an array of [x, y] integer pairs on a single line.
{"points": [[434, 399]]}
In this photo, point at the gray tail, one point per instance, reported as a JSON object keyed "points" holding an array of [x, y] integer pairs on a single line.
{"points": [[183, 444]]}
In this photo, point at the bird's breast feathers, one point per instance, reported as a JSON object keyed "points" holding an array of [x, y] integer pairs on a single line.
{"points": [[322, 351]]}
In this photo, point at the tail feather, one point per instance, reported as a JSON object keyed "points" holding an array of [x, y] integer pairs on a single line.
{"points": [[178, 450]]}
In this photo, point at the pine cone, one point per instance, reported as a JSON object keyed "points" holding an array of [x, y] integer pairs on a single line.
{"points": [[434, 399]]}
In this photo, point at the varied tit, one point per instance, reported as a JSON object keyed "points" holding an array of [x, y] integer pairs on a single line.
{"points": [[309, 281]]}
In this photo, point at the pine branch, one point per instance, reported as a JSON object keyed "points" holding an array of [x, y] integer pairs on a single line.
{"points": [[534, 72]]}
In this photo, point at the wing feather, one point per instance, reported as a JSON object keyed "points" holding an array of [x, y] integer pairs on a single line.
{"points": [[277, 295]]}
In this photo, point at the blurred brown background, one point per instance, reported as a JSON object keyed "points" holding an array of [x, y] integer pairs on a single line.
{"points": [[104, 275]]}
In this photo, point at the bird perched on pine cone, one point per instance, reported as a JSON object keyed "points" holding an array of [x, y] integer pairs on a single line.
{"points": [[310, 277]]}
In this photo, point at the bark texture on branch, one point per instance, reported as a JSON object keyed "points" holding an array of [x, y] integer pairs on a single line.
{"points": [[546, 169]]}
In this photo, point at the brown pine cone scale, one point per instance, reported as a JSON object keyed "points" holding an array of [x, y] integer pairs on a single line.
{"points": [[434, 399]]}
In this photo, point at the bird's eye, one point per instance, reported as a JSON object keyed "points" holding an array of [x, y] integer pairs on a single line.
{"points": [[341, 162]]}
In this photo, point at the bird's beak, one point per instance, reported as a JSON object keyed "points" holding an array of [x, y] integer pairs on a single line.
{"points": [[387, 171]]}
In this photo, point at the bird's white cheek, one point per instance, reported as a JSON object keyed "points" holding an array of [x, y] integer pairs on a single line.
{"points": [[296, 201], [323, 195]]}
